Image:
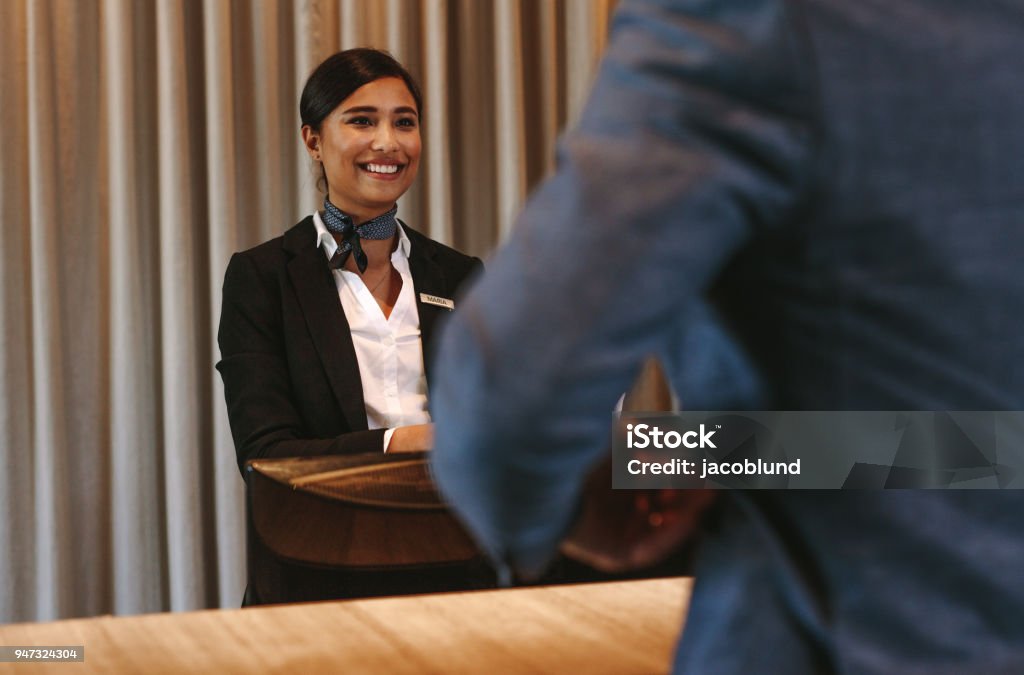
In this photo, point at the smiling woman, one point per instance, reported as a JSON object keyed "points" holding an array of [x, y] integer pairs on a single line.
{"points": [[369, 147], [323, 330], [360, 108]]}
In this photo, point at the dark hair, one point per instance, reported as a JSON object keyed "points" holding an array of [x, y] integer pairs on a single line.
{"points": [[341, 74]]}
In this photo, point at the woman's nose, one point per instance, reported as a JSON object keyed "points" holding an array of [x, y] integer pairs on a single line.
{"points": [[384, 138]]}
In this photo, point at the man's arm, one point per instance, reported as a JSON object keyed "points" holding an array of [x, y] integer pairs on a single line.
{"points": [[695, 137]]}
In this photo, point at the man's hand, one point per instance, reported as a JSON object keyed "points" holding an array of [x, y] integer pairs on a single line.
{"points": [[624, 530]]}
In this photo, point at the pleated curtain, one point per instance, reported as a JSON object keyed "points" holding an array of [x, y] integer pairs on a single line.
{"points": [[141, 144]]}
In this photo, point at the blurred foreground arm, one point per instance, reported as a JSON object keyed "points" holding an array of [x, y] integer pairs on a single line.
{"points": [[694, 140]]}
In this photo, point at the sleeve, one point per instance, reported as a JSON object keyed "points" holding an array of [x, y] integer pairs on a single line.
{"points": [[257, 387], [698, 134]]}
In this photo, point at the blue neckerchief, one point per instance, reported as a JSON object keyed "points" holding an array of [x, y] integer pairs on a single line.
{"points": [[339, 222]]}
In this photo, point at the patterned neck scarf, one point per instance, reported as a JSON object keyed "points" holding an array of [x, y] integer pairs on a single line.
{"points": [[339, 222]]}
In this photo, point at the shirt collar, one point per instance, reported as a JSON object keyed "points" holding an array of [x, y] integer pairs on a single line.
{"points": [[325, 240]]}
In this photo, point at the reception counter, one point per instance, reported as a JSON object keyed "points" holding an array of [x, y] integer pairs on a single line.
{"points": [[619, 627]]}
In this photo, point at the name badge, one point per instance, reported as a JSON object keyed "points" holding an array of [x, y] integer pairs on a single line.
{"points": [[437, 300]]}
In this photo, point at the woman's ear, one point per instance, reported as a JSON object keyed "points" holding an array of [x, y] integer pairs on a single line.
{"points": [[311, 140]]}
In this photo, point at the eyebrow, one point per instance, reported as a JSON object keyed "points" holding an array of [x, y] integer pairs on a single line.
{"points": [[372, 109]]}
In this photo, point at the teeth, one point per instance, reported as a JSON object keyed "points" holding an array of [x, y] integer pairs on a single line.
{"points": [[382, 168]]}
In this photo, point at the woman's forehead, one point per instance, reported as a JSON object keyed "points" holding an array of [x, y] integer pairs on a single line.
{"points": [[384, 94]]}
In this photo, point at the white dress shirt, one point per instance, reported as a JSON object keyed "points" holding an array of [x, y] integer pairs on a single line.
{"points": [[388, 350]]}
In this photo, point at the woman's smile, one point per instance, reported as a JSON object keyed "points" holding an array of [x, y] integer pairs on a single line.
{"points": [[383, 170]]}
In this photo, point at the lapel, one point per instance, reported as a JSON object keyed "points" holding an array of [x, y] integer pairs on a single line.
{"points": [[318, 299], [430, 278]]}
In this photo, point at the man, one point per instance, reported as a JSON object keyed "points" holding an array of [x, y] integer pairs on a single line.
{"points": [[809, 205]]}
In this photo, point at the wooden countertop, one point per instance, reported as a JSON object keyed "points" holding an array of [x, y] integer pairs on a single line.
{"points": [[620, 627]]}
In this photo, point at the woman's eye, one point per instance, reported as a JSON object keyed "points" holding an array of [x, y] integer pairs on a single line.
{"points": [[360, 121], [407, 122]]}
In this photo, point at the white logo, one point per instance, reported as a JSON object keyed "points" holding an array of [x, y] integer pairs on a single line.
{"points": [[657, 438]]}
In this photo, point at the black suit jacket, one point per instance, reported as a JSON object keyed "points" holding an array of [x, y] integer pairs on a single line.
{"points": [[293, 389], [290, 374]]}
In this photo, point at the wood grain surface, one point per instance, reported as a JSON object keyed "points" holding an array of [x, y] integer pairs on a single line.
{"points": [[621, 628]]}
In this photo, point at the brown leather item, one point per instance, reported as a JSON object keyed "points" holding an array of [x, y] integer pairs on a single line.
{"points": [[355, 512], [353, 526], [357, 526]]}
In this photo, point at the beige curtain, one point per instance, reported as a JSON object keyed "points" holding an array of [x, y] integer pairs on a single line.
{"points": [[141, 144]]}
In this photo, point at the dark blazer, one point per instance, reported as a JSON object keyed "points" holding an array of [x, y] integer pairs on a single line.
{"points": [[292, 385], [290, 374], [823, 199]]}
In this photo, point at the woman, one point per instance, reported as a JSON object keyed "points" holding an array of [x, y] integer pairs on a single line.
{"points": [[323, 330]]}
